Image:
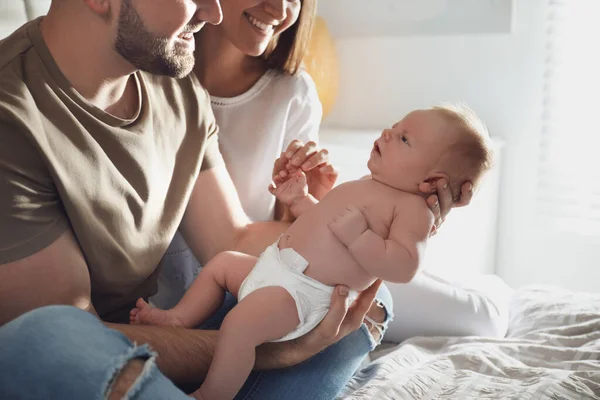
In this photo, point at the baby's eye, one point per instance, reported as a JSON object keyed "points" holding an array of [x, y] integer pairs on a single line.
{"points": [[404, 139]]}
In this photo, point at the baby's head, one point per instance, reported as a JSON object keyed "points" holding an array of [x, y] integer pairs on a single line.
{"points": [[447, 141]]}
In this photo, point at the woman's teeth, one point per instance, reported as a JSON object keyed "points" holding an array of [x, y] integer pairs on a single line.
{"points": [[266, 28]]}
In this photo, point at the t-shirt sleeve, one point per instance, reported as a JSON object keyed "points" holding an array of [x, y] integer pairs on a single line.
{"points": [[306, 112], [31, 213], [212, 154]]}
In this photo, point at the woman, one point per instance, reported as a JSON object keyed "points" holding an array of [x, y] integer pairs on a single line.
{"points": [[265, 104]]}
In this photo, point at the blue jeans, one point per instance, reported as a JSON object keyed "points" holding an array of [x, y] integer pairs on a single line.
{"points": [[60, 352]]}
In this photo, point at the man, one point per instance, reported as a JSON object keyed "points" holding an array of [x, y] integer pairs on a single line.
{"points": [[103, 155]]}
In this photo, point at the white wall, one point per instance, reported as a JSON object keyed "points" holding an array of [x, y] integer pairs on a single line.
{"points": [[501, 78]]}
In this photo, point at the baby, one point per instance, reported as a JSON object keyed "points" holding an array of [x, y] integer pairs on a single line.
{"points": [[375, 227]]}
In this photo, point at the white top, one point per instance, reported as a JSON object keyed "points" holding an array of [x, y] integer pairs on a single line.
{"points": [[255, 127]]}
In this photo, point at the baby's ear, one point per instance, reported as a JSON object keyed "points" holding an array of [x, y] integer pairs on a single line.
{"points": [[434, 177]]}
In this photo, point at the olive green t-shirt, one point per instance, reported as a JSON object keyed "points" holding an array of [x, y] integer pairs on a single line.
{"points": [[122, 186]]}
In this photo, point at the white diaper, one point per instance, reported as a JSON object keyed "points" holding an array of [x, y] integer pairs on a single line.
{"points": [[285, 268]]}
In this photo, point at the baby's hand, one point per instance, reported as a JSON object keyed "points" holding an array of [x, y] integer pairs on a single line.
{"points": [[290, 187], [349, 225]]}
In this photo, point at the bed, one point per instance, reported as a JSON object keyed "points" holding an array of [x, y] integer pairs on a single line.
{"points": [[551, 351]]}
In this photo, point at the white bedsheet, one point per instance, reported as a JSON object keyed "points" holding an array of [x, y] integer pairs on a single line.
{"points": [[552, 351]]}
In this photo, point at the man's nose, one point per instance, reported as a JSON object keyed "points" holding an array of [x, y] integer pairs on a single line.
{"points": [[209, 11]]}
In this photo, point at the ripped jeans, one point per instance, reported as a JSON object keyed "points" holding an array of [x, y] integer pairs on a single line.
{"points": [[61, 352]]}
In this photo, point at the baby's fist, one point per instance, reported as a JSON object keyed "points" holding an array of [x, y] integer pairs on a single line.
{"points": [[349, 225], [289, 188]]}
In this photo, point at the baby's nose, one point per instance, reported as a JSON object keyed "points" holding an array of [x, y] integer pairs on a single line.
{"points": [[386, 134]]}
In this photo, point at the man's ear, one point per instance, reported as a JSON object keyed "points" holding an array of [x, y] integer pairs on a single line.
{"points": [[100, 7]]}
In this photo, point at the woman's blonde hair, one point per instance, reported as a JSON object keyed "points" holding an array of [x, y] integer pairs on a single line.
{"points": [[285, 51]]}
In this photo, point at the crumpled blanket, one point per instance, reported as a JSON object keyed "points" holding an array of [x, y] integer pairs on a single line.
{"points": [[552, 351]]}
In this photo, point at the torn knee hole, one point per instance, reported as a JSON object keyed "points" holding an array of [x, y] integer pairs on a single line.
{"points": [[375, 329], [125, 379], [374, 320]]}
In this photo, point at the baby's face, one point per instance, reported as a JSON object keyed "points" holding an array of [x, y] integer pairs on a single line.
{"points": [[406, 154]]}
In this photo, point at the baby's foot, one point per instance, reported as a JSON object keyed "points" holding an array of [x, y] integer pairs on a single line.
{"points": [[145, 314], [196, 395]]}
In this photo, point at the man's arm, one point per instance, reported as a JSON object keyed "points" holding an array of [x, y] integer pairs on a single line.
{"points": [[55, 275], [58, 274], [215, 221], [397, 258]]}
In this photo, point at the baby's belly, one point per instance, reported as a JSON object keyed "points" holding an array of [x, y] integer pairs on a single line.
{"points": [[329, 260]]}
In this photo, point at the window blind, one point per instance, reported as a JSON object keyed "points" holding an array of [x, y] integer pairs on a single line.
{"points": [[569, 166]]}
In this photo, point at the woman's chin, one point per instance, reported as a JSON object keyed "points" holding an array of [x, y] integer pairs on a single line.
{"points": [[255, 49]]}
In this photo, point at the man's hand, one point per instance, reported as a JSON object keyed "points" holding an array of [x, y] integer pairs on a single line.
{"points": [[349, 225], [290, 188], [339, 322], [441, 200]]}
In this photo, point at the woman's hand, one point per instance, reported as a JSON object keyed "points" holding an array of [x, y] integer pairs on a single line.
{"points": [[320, 174], [441, 200]]}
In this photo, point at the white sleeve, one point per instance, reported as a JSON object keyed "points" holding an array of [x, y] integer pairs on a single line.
{"points": [[305, 112]]}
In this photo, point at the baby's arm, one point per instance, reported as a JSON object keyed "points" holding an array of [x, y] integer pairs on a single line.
{"points": [[292, 191], [397, 258]]}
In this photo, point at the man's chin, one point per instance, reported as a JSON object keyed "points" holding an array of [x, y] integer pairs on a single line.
{"points": [[174, 68], [179, 73], [182, 66]]}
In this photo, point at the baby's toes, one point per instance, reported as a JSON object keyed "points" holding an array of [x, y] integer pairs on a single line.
{"points": [[141, 304], [133, 316]]}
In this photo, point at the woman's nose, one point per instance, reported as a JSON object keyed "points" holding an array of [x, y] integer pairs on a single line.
{"points": [[277, 9]]}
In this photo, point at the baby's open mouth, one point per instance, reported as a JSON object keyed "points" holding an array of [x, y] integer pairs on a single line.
{"points": [[376, 148]]}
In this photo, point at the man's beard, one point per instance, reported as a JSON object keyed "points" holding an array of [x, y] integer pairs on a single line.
{"points": [[145, 50]]}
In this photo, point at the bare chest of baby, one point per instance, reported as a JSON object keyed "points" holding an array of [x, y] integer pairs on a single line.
{"points": [[329, 260]]}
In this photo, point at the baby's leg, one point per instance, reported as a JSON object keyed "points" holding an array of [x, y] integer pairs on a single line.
{"points": [[226, 271], [264, 315]]}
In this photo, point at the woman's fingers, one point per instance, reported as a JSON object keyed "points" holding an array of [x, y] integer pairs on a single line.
{"points": [[328, 169], [316, 159], [293, 147], [301, 154]]}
